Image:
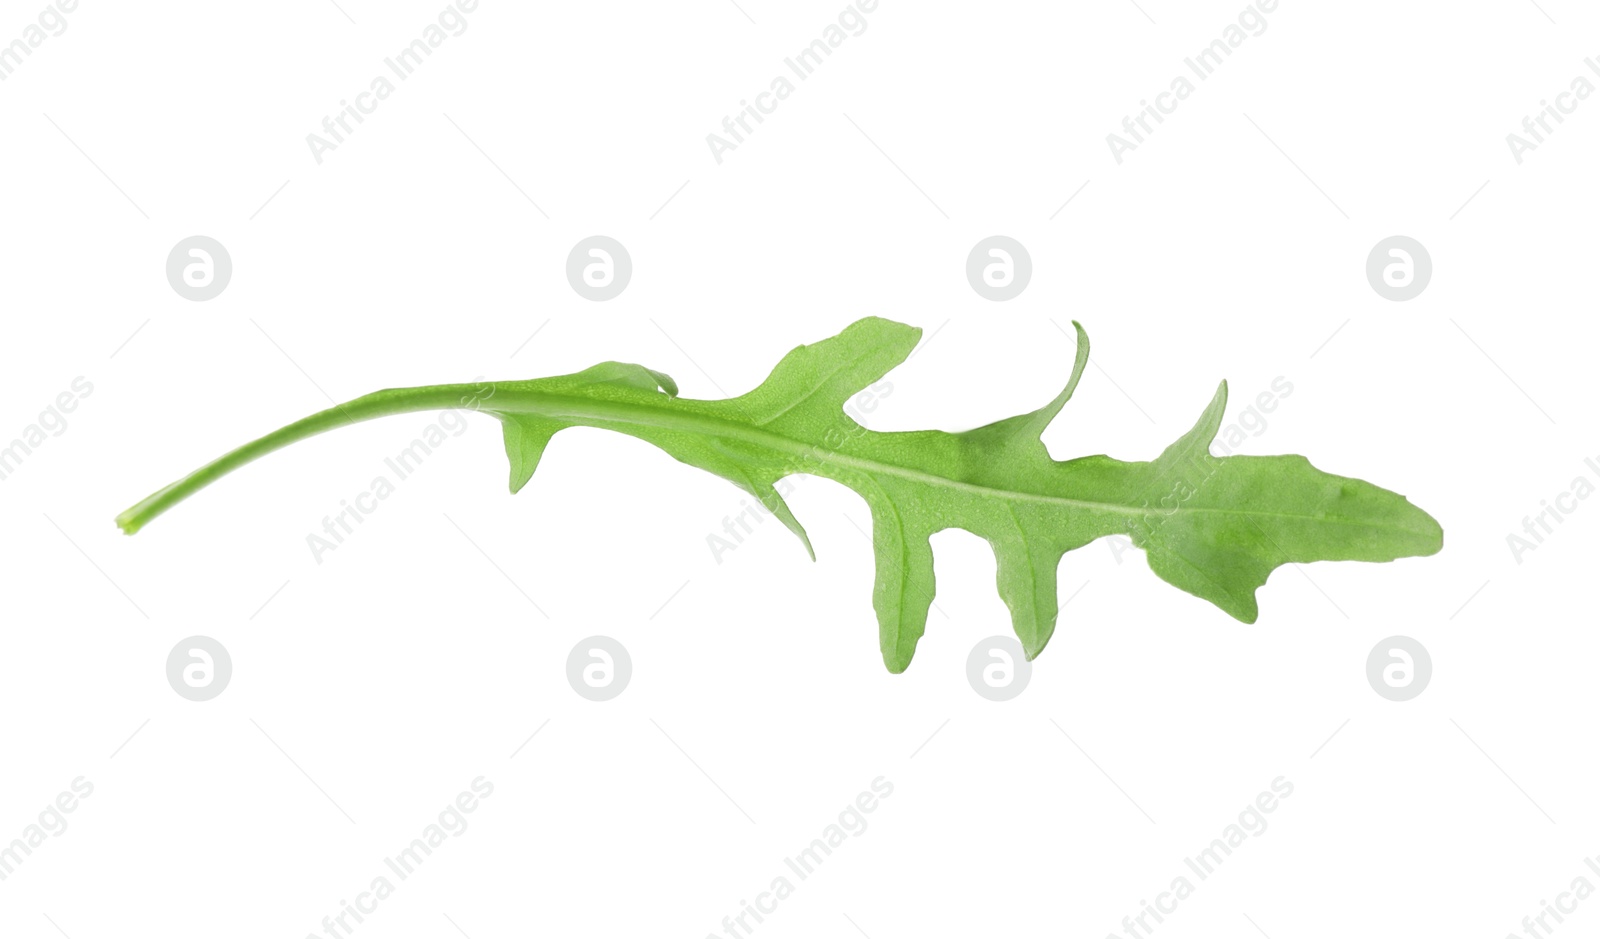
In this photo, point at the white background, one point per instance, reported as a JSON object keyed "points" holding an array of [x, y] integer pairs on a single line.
{"points": [[370, 689]]}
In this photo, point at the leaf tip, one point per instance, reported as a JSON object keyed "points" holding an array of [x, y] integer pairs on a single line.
{"points": [[902, 338], [665, 382], [1431, 533], [525, 440]]}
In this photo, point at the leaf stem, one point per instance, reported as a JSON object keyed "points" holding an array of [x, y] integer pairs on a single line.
{"points": [[702, 417], [364, 408]]}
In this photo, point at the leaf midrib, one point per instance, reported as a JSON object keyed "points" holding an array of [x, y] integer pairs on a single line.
{"points": [[596, 410]]}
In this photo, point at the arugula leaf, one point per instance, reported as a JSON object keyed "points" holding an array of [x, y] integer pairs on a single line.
{"points": [[1213, 526]]}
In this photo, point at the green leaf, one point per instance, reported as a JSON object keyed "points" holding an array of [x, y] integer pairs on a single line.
{"points": [[1213, 526]]}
